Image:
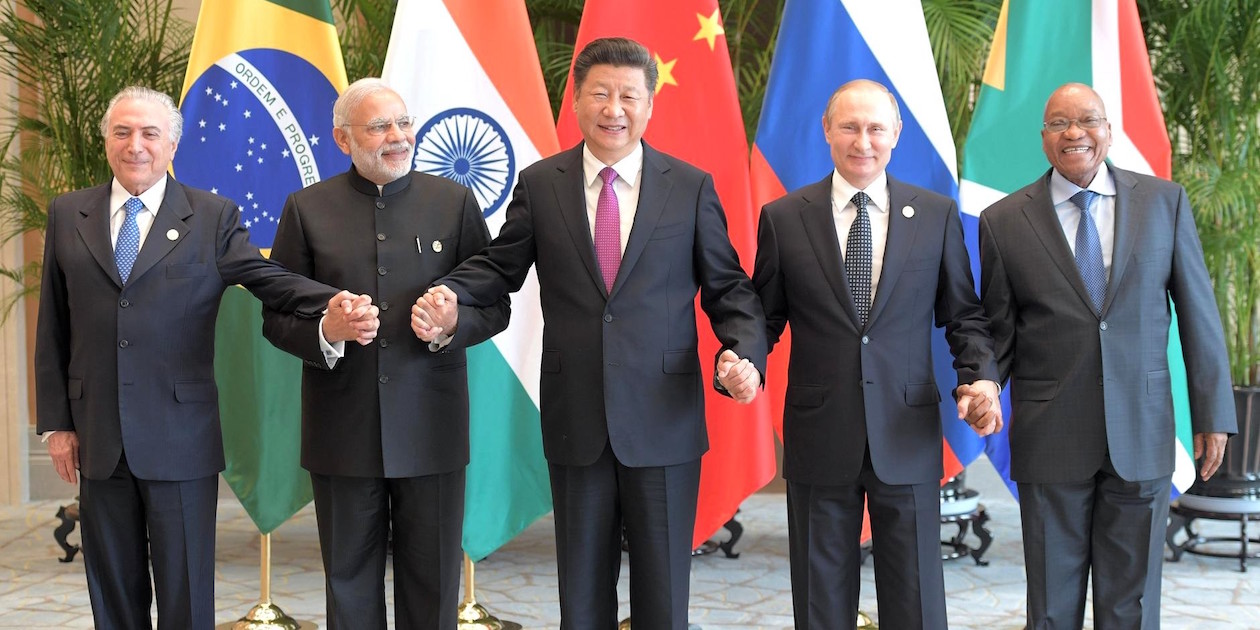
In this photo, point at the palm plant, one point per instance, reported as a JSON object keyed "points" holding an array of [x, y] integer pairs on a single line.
{"points": [[1205, 55], [365, 27], [960, 32], [69, 57]]}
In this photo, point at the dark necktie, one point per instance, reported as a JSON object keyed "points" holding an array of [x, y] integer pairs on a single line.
{"points": [[1089, 259], [128, 245], [608, 229], [857, 257]]}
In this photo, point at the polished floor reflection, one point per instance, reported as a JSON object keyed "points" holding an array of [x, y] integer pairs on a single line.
{"points": [[518, 582]]}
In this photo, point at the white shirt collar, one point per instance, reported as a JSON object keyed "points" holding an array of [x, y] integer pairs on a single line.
{"points": [[152, 198], [1062, 190], [628, 168], [842, 191]]}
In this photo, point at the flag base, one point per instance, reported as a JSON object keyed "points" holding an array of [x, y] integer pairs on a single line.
{"points": [[865, 623], [474, 616], [625, 625], [266, 616]]}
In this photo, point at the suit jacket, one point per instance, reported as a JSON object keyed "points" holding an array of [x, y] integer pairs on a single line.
{"points": [[391, 408], [132, 366], [622, 368], [850, 386], [1083, 386]]}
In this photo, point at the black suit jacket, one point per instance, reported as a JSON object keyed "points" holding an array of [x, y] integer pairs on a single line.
{"points": [[849, 385], [1083, 386], [391, 408], [132, 367], [622, 368]]}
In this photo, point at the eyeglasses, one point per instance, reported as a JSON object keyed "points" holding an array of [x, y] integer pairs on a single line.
{"points": [[1059, 125], [379, 126]]}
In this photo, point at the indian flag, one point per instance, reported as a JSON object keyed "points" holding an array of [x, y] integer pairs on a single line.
{"points": [[468, 70], [1037, 47]]}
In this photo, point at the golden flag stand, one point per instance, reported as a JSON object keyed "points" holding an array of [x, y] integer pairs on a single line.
{"points": [[474, 616], [265, 615]]}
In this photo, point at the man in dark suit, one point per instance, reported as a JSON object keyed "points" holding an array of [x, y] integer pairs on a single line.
{"points": [[1077, 270], [860, 265], [622, 237], [124, 360], [385, 426]]}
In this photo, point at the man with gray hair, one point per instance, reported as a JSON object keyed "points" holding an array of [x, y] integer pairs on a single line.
{"points": [[134, 270], [385, 427]]}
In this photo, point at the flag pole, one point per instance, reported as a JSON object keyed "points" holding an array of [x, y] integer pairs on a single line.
{"points": [[474, 616], [265, 615]]}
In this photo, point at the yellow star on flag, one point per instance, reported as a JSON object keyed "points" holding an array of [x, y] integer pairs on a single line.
{"points": [[665, 72], [710, 28]]}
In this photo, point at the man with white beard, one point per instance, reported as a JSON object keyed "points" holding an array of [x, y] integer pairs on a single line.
{"points": [[385, 426]]}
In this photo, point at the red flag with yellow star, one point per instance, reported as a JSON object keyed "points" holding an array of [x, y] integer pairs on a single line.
{"points": [[696, 117]]}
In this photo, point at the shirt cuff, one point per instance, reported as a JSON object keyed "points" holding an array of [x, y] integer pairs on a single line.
{"points": [[442, 341], [332, 351]]}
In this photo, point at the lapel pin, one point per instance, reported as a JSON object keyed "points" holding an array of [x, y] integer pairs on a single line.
{"points": [[907, 212], [172, 235], [437, 246]]}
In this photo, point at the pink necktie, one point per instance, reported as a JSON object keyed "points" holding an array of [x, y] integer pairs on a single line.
{"points": [[608, 229]]}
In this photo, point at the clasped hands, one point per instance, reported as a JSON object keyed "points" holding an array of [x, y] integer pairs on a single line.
{"points": [[979, 407], [434, 313], [351, 317], [739, 376]]}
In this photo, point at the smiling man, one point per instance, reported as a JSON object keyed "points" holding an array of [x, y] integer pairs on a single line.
{"points": [[385, 426], [1077, 273], [623, 237], [862, 265]]}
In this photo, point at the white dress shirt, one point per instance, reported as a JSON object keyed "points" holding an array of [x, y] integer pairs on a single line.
{"points": [[1103, 210], [845, 213], [629, 172], [152, 200]]}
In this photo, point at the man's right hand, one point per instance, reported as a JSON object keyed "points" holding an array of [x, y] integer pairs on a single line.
{"points": [[63, 448], [351, 317]]}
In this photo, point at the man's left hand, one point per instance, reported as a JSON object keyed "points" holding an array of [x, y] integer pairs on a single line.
{"points": [[739, 376], [1211, 447], [979, 407]]}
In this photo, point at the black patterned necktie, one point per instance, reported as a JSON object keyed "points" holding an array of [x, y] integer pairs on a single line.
{"points": [[857, 257], [1089, 258]]}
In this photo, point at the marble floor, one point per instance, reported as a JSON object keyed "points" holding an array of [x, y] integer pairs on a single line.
{"points": [[517, 583]]}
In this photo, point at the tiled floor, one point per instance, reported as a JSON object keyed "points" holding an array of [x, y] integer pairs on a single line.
{"points": [[518, 582]]}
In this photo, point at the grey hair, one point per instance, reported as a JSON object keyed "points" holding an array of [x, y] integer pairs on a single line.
{"points": [[141, 93], [354, 95], [831, 102]]}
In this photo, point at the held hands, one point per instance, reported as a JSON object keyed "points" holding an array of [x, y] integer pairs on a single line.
{"points": [[978, 406], [435, 312], [63, 448], [351, 317], [1211, 447], [739, 376]]}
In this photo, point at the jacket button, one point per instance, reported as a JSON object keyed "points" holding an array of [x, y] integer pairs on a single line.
{"points": [[381, 271], [380, 205], [865, 340], [380, 237], [382, 379], [608, 319], [124, 303], [1102, 326], [384, 343], [384, 306], [124, 343]]}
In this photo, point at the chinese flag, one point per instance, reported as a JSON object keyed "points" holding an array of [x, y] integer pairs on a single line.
{"points": [[696, 117]]}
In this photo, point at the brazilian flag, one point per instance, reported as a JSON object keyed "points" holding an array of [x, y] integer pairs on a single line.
{"points": [[257, 102]]}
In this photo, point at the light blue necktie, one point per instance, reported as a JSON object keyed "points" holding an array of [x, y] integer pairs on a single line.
{"points": [[128, 245], [1089, 259]]}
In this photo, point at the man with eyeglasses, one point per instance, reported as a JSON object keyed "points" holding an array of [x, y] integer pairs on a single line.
{"points": [[385, 426], [1077, 273]]}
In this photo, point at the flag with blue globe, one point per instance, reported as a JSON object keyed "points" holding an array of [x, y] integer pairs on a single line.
{"points": [[257, 103]]}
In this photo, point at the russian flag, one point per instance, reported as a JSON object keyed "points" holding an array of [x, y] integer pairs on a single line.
{"points": [[821, 46]]}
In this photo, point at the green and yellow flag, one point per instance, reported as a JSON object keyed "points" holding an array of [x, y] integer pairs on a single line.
{"points": [[257, 102]]}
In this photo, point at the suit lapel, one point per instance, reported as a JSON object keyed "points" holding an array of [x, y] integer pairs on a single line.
{"points": [[93, 228], [570, 189], [820, 227], [653, 191], [901, 232], [1128, 222], [1039, 211], [169, 222]]}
